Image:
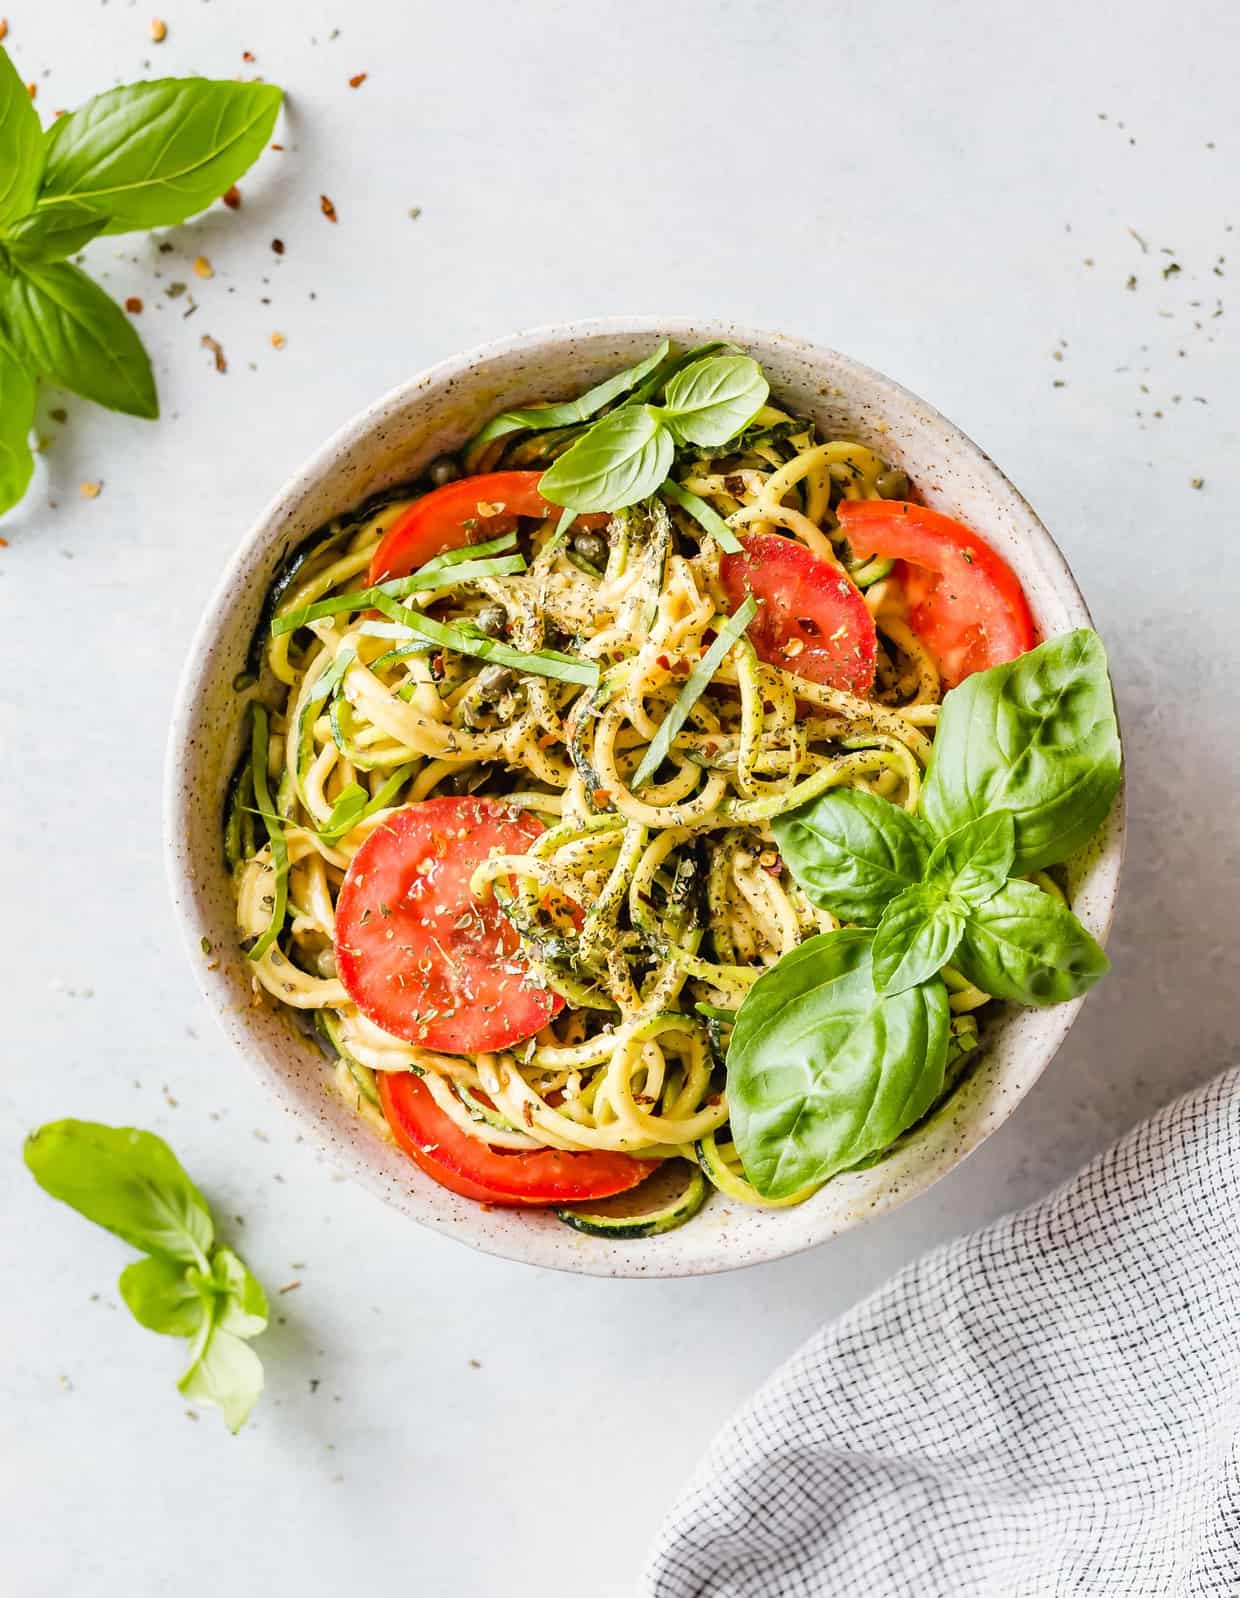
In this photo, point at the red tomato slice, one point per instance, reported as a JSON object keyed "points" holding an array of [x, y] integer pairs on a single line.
{"points": [[470, 511], [812, 620], [457, 1161], [964, 601], [422, 957]]}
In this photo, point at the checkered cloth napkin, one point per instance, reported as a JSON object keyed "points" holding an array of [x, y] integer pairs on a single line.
{"points": [[1050, 1407]]}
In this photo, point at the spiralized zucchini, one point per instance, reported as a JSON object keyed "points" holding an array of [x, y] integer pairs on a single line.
{"points": [[685, 900]]}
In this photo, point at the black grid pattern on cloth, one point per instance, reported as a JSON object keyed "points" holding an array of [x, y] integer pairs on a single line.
{"points": [[1049, 1407]]}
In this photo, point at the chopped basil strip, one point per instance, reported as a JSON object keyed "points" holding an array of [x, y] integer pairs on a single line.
{"points": [[354, 806], [703, 514], [275, 830], [695, 686], [429, 577], [569, 412], [546, 663]]}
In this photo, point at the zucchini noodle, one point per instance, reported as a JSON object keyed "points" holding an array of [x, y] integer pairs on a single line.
{"points": [[684, 899]]}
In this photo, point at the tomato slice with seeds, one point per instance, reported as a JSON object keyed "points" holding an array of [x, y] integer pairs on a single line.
{"points": [[964, 601], [812, 618], [469, 511], [418, 953], [434, 1141]]}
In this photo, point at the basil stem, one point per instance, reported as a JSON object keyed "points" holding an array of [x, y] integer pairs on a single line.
{"points": [[695, 686]]}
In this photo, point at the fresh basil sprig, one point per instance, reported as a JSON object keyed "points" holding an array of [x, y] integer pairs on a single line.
{"points": [[627, 455], [141, 156], [188, 1286], [1025, 766]]}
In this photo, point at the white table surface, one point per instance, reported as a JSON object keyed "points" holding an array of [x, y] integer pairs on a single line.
{"points": [[945, 191]]}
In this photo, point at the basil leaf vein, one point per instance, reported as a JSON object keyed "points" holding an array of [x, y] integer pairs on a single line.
{"points": [[153, 154]]}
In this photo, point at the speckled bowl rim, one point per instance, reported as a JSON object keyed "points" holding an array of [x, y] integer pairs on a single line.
{"points": [[983, 1103]]}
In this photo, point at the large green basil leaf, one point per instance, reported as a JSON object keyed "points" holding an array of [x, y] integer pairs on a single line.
{"points": [[1036, 736], [916, 937], [822, 1070], [975, 861], [1026, 946], [126, 1180], [710, 401], [152, 154], [74, 334], [164, 1296], [852, 852], [21, 144], [17, 401], [54, 232], [621, 460], [223, 1370]]}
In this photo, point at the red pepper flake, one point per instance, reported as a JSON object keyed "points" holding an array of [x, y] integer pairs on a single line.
{"points": [[358, 78], [209, 343], [4, 543], [600, 798], [133, 305], [4, 28], [289, 1287], [327, 208], [32, 89], [278, 246], [232, 198], [247, 55], [277, 147]]}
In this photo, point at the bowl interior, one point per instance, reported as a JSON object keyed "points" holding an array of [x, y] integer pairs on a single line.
{"points": [[394, 439]]}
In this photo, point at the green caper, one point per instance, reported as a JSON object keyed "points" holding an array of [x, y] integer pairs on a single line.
{"points": [[893, 483], [444, 470], [492, 620], [493, 681], [592, 547]]}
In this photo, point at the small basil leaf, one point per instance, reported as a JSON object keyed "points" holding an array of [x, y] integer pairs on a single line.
{"points": [[621, 460], [852, 852], [21, 144], [54, 232], [152, 154], [975, 861], [17, 401], [224, 1371], [1036, 736], [916, 937], [822, 1070], [1026, 946], [164, 1296], [244, 1310], [567, 412], [710, 401], [74, 334], [128, 1181]]}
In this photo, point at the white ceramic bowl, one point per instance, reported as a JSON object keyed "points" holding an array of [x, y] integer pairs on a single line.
{"points": [[433, 413]]}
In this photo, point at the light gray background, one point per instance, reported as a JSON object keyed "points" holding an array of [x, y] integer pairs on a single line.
{"points": [[944, 191]]}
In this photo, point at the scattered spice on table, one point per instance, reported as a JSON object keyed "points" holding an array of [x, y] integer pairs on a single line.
{"points": [[232, 198], [133, 305], [327, 208], [278, 246], [4, 28], [159, 30], [358, 78], [59, 414], [214, 345], [90, 490], [278, 341], [175, 290], [1198, 482], [203, 267], [32, 89]]}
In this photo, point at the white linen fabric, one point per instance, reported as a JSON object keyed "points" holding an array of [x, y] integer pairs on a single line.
{"points": [[1048, 1407]]}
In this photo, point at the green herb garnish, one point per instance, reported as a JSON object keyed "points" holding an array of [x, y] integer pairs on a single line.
{"points": [[706, 516], [470, 641], [426, 580], [696, 684], [189, 1285], [142, 156]]}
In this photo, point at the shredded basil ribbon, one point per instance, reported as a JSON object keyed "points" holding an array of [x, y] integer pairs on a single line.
{"points": [[439, 573], [546, 663], [703, 514], [355, 806], [274, 826], [695, 686]]}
